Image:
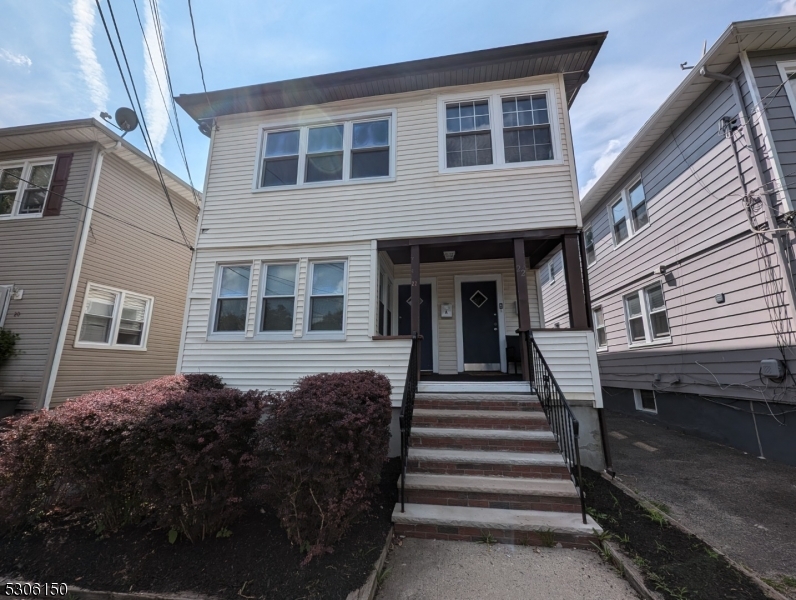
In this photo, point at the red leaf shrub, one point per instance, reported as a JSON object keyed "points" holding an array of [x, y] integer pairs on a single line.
{"points": [[102, 452], [322, 450]]}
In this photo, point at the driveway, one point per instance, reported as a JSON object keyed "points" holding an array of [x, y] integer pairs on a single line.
{"points": [[442, 570], [738, 503]]}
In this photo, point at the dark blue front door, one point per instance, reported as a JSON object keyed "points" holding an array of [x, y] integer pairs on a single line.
{"points": [[480, 331]]}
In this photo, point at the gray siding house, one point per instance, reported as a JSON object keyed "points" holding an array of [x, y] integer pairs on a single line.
{"points": [[689, 244], [96, 299]]}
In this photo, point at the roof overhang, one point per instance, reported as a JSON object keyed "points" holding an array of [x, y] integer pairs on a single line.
{"points": [[750, 36], [87, 131], [570, 56]]}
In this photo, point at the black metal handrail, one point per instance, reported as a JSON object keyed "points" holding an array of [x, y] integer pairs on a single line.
{"points": [[558, 412], [408, 407]]}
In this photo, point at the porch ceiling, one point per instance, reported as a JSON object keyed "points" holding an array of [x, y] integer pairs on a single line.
{"points": [[538, 244]]}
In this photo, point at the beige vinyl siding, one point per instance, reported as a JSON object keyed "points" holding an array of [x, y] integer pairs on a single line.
{"points": [[124, 258], [698, 228], [421, 201], [444, 274], [252, 362], [554, 291], [36, 255]]}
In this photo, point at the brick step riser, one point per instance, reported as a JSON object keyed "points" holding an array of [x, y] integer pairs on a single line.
{"points": [[478, 405], [488, 469], [484, 444], [481, 423], [493, 500], [503, 536]]}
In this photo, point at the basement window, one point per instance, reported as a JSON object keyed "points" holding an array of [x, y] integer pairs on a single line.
{"points": [[645, 400]]}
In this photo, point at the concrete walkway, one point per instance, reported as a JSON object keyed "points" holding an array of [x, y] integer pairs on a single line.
{"points": [[437, 570], [738, 503]]}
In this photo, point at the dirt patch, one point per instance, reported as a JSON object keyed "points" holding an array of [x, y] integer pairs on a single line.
{"points": [[678, 565], [256, 561]]}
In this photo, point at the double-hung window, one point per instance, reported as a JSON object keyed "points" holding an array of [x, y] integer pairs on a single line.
{"points": [[327, 296], [231, 299], [279, 298], [591, 255], [498, 130], [645, 315], [114, 318], [24, 187], [343, 151], [629, 213], [599, 328]]}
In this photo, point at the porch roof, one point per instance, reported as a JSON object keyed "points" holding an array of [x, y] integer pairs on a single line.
{"points": [[482, 246]]}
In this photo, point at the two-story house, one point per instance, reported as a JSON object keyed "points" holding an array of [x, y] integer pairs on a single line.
{"points": [[355, 219], [689, 242], [93, 267]]}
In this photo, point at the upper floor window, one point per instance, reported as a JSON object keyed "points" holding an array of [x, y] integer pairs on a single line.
{"points": [[357, 149], [588, 237], [114, 318], [629, 213], [24, 186], [499, 130], [645, 315], [231, 299]]}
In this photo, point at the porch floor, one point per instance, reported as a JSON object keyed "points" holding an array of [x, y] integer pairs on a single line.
{"points": [[471, 376]]}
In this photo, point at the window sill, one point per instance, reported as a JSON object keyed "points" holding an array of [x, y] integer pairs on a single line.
{"points": [[647, 410], [20, 217], [273, 337], [500, 167], [311, 336], [322, 184], [601, 350], [661, 342], [630, 237], [89, 346]]}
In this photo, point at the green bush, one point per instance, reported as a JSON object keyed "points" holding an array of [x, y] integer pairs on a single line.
{"points": [[8, 342]]}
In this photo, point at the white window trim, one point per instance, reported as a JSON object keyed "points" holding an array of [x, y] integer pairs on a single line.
{"points": [[228, 335], [27, 166], [645, 317], [275, 335], [624, 196], [6, 301], [593, 245], [639, 406], [496, 127], [324, 335], [596, 338], [116, 320], [303, 126]]}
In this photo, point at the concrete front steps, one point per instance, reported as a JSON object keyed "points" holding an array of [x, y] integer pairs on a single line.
{"points": [[487, 467]]}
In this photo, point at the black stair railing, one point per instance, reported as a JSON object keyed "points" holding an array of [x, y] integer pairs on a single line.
{"points": [[562, 421], [407, 408]]}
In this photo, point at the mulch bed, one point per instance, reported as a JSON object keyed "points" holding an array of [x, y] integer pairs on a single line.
{"points": [[675, 564], [256, 561]]}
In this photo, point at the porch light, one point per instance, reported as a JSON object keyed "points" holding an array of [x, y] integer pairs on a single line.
{"points": [[449, 254]]}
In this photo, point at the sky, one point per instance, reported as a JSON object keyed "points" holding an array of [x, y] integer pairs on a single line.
{"points": [[56, 62]]}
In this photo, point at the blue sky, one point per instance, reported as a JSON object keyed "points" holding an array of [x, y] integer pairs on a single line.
{"points": [[56, 65]]}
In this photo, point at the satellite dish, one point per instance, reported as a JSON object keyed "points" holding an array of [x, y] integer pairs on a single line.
{"points": [[126, 119]]}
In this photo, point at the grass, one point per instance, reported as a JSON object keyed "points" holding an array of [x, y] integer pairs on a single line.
{"points": [[678, 593], [781, 583], [548, 538], [654, 515], [488, 539]]}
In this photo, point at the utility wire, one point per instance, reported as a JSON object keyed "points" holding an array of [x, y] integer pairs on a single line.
{"points": [[145, 130], [178, 131], [199, 58]]}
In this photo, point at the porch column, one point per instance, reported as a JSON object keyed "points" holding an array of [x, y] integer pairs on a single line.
{"points": [[585, 266], [576, 292], [523, 308], [415, 298]]}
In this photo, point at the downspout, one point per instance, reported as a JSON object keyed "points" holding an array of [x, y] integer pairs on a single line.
{"points": [[76, 273], [776, 233]]}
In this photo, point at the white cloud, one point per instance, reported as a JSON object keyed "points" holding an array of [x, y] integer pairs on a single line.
{"points": [[19, 60], [600, 166], [157, 115], [83, 45], [786, 7]]}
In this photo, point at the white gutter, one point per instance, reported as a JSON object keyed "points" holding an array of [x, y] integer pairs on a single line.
{"points": [[59, 348]]}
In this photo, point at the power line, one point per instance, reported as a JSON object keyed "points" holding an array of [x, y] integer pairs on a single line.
{"points": [[145, 129], [199, 58], [177, 132]]}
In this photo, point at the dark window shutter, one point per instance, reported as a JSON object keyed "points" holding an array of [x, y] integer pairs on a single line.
{"points": [[52, 208]]}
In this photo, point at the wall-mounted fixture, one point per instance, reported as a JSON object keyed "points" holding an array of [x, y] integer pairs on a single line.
{"points": [[446, 311], [449, 254], [772, 368], [719, 298]]}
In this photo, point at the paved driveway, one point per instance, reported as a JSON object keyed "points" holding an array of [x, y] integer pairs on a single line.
{"points": [[738, 503], [437, 570]]}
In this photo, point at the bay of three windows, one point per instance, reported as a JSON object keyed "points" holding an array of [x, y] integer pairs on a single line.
{"points": [[524, 125], [325, 295], [335, 152]]}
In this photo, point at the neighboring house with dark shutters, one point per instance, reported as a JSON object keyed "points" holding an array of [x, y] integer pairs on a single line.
{"points": [[96, 299], [689, 243], [347, 213]]}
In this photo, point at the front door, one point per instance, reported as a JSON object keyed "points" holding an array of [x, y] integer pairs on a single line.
{"points": [[480, 329], [426, 328]]}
